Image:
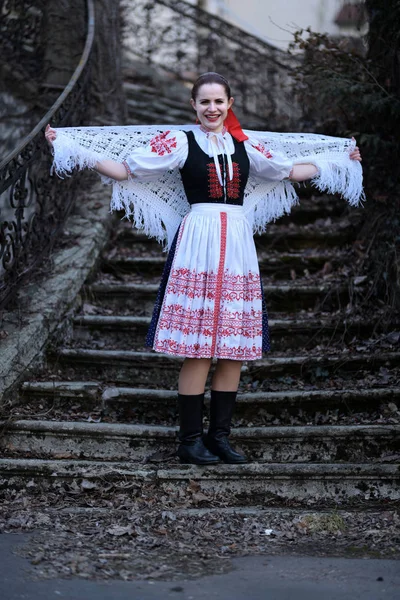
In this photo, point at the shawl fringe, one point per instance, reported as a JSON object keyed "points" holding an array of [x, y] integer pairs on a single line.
{"points": [[158, 207]]}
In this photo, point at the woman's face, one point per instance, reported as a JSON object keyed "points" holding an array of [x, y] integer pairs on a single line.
{"points": [[211, 106]]}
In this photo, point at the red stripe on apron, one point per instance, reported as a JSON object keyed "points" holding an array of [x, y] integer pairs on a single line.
{"points": [[220, 276]]}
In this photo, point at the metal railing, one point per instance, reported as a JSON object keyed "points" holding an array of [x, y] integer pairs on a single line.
{"points": [[33, 205], [186, 40], [170, 34]]}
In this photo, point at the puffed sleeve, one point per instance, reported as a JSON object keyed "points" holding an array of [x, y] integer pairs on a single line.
{"points": [[266, 163], [166, 151]]}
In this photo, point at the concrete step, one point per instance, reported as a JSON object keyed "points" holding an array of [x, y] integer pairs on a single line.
{"points": [[126, 332], [258, 408], [138, 298], [146, 368], [277, 264], [321, 485], [139, 443]]}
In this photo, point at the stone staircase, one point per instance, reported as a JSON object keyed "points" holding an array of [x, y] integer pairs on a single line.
{"points": [[319, 416], [152, 94]]}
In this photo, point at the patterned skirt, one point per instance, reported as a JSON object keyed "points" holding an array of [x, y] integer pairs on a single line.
{"points": [[211, 302]]}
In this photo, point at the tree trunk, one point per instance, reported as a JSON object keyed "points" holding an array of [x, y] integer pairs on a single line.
{"points": [[65, 34], [384, 42], [108, 99]]}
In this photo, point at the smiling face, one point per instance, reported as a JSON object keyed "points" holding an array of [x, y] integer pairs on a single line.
{"points": [[211, 105]]}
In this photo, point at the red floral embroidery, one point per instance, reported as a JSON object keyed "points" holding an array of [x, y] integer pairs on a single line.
{"points": [[234, 183], [261, 148], [214, 186], [200, 321], [192, 284], [214, 321], [161, 145]]}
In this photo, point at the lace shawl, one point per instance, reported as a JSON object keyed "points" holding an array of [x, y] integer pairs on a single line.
{"points": [[157, 207]]}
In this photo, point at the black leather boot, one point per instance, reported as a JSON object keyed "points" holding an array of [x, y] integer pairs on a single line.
{"points": [[191, 449], [216, 440]]}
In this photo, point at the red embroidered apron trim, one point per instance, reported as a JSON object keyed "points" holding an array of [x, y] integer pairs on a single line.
{"points": [[220, 275], [176, 317], [188, 283], [168, 346]]}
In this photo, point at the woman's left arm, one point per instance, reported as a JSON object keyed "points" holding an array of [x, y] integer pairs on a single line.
{"points": [[308, 171]]}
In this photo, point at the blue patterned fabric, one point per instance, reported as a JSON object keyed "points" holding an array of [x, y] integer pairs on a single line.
{"points": [[161, 292], [266, 342]]}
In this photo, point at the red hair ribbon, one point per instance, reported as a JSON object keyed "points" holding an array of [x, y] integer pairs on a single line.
{"points": [[233, 126]]}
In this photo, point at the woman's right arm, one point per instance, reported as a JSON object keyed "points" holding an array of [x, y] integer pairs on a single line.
{"points": [[109, 168], [166, 151]]}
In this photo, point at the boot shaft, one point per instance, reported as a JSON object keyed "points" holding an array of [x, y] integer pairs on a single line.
{"points": [[222, 406], [190, 408]]}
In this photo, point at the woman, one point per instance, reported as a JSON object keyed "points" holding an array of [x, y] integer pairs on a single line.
{"points": [[210, 303]]}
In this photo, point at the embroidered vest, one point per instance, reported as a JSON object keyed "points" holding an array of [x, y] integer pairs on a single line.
{"points": [[200, 180]]}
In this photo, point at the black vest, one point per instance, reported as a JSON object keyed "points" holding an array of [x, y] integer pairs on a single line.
{"points": [[200, 180]]}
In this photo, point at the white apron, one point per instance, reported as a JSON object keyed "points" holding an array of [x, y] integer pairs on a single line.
{"points": [[212, 306]]}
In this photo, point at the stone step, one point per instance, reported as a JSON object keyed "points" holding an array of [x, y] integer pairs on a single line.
{"points": [[164, 107], [138, 298], [140, 443], [127, 332], [323, 485], [145, 98], [139, 107], [141, 113], [258, 408], [277, 264], [147, 368], [87, 393]]}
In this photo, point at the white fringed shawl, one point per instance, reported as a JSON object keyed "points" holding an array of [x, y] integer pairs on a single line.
{"points": [[158, 207]]}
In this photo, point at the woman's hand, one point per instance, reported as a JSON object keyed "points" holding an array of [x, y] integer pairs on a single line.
{"points": [[50, 134], [355, 154]]}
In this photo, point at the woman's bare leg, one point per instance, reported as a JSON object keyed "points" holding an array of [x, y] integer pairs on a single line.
{"points": [[227, 375], [193, 376], [192, 381]]}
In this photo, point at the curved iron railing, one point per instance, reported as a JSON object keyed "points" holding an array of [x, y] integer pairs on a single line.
{"points": [[187, 40], [33, 205]]}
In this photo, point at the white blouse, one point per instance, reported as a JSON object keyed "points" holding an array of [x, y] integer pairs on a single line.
{"points": [[169, 150]]}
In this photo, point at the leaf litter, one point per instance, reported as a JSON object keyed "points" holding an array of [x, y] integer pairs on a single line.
{"points": [[123, 530]]}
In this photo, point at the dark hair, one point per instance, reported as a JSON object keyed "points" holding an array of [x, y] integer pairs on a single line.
{"points": [[210, 77]]}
